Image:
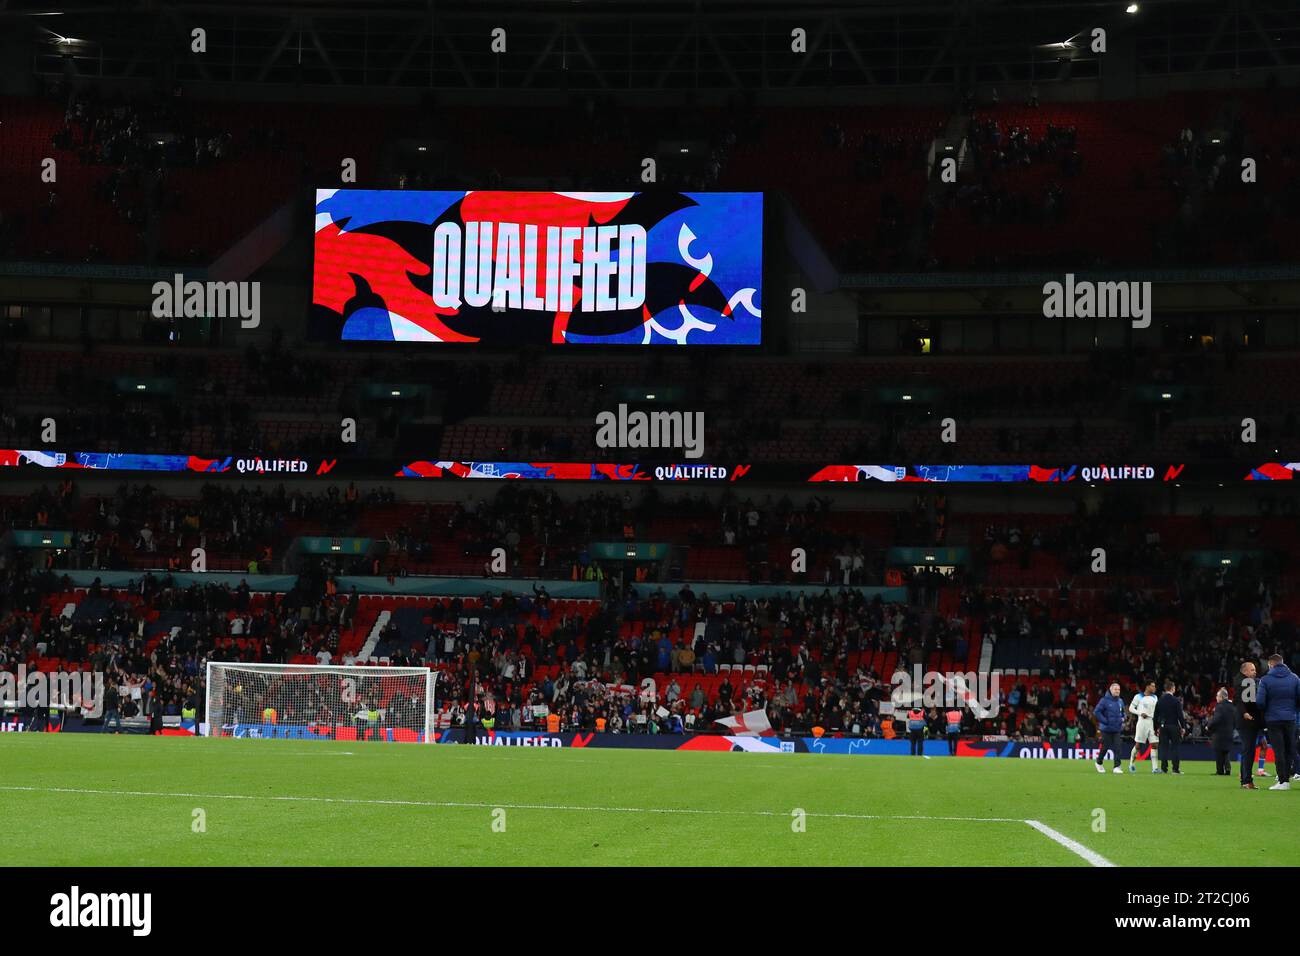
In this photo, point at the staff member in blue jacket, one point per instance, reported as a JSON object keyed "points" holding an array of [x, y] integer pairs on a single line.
{"points": [[1110, 724], [1279, 699]]}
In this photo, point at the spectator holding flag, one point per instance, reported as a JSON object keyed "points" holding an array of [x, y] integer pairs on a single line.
{"points": [[752, 723]]}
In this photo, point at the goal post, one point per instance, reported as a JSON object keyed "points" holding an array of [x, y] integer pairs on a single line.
{"points": [[320, 701]]}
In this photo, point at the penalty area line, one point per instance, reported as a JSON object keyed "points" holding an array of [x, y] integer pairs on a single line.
{"points": [[1074, 846]]}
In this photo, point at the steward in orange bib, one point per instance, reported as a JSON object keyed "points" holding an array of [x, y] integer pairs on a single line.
{"points": [[952, 723], [916, 730]]}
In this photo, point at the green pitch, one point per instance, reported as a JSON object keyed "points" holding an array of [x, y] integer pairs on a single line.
{"points": [[78, 799]]}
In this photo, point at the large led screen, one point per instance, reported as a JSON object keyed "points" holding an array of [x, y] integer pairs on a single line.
{"points": [[515, 268]]}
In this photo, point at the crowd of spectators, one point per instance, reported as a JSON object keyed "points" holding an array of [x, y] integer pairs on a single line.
{"points": [[990, 193], [650, 662], [252, 526], [817, 644], [139, 142], [130, 145]]}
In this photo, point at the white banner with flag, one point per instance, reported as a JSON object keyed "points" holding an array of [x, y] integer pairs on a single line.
{"points": [[968, 697], [752, 723]]}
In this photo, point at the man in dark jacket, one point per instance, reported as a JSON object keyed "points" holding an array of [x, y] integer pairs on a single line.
{"points": [[1279, 699], [1172, 724], [1110, 723], [112, 705], [1250, 721], [1221, 725]]}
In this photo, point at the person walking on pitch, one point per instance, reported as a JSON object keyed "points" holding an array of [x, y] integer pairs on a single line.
{"points": [[1279, 699], [1173, 725], [1220, 727], [1110, 724], [1143, 708], [1250, 722]]}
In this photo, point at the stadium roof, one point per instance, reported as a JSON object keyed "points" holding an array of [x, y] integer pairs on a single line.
{"points": [[612, 45]]}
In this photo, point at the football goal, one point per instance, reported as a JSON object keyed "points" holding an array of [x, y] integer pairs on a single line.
{"points": [[320, 701]]}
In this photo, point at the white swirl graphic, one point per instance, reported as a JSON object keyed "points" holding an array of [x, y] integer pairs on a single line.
{"points": [[689, 324], [684, 239]]}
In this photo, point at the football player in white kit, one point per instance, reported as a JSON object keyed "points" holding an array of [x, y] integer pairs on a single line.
{"points": [[1144, 708]]}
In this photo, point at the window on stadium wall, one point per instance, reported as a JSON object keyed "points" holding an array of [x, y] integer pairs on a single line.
{"points": [[23, 321], [105, 325]]}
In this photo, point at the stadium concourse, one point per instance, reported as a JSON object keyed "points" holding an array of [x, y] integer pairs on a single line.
{"points": [[287, 399], [813, 649]]}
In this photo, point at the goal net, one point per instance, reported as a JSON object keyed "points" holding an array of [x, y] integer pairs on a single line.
{"points": [[320, 702]]}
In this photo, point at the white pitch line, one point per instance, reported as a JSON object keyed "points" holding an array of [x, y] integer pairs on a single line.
{"points": [[323, 753], [505, 806], [1074, 846]]}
